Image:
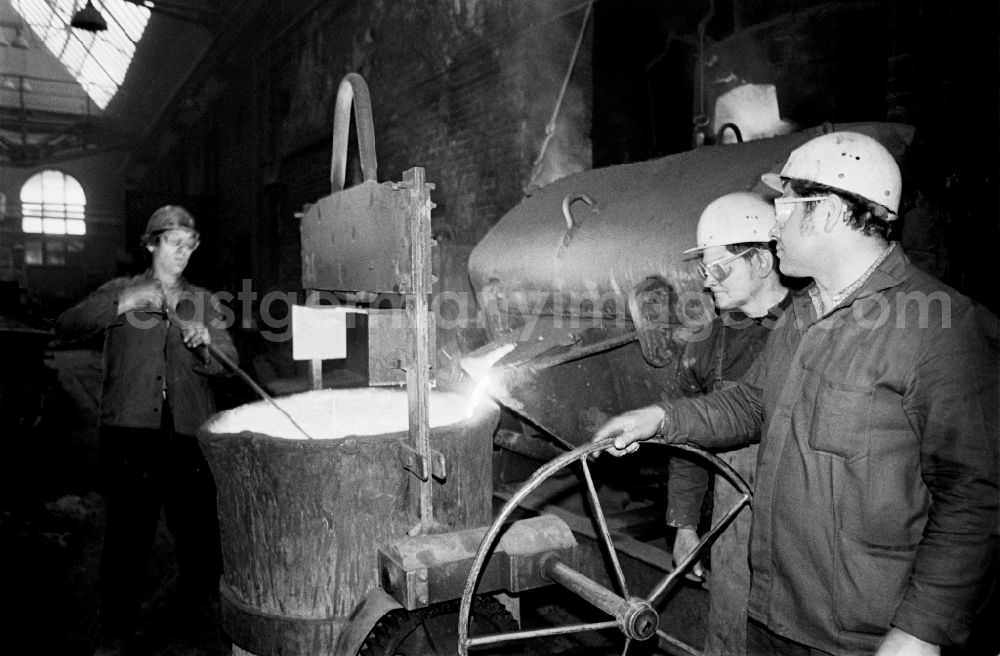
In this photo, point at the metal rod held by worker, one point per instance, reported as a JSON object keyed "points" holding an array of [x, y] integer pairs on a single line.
{"points": [[217, 353]]}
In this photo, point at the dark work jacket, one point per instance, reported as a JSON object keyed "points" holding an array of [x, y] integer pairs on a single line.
{"points": [[876, 499], [145, 358], [722, 356]]}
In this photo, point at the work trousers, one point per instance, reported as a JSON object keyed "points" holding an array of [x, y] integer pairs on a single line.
{"points": [[761, 641], [144, 470]]}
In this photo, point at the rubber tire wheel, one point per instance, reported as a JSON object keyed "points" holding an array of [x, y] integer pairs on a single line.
{"points": [[398, 632]]}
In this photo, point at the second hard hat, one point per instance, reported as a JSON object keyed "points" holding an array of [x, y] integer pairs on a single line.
{"points": [[736, 218]]}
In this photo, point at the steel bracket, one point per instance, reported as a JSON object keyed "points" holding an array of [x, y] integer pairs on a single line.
{"points": [[427, 569], [415, 462]]}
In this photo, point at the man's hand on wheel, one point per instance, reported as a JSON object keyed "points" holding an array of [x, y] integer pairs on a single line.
{"points": [[630, 428]]}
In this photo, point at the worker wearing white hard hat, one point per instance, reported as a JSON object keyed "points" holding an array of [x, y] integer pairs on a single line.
{"points": [[875, 526], [739, 217], [859, 181], [739, 268], [736, 262]]}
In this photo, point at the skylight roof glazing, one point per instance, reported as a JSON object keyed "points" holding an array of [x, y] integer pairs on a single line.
{"points": [[97, 60]]}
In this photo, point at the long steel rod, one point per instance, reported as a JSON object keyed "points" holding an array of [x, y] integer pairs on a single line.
{"points": [[227, 361], [587, 589], [574, 353], [545, 362]]}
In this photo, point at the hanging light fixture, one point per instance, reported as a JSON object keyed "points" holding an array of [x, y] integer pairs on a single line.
{"points": [[89, 19]]}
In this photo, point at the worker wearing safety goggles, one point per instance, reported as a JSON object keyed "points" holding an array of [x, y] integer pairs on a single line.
{"points": [[155, 394], [739, 268], [875, 510]]}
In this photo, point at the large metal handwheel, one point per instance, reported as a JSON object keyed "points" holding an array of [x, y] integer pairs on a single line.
{"points": [[636, 617]]}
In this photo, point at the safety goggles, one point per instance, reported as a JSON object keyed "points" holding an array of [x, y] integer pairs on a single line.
{"points": [[178, 241], [720, 269], [783, 207]]}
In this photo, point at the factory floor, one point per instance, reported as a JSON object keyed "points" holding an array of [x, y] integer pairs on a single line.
{"points": [[51, 519]]}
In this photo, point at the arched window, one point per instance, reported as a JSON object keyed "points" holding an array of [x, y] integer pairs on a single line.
{"points": [[53, 203]]}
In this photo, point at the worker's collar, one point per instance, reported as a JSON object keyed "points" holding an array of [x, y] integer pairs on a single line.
{"points": [[774, 313], [888, 271], [180, 283]]}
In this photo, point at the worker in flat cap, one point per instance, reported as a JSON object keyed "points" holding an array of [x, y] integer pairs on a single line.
{"points": [[739, 267], [155, 394], [875, 510]]}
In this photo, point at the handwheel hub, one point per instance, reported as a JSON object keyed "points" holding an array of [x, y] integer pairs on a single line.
{"points": [[639, 620]]}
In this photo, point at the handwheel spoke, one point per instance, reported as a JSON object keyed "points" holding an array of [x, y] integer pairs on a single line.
{"points": [[628, 643], [683, 646], [540, 633], [664, 586], [603, 525]]}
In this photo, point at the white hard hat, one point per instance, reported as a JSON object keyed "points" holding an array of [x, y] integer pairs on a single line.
{"points": [[735, 218], [849, 161]]}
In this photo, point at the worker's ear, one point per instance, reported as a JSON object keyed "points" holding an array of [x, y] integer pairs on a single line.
{"points": [[836, 210], [763, 259]]}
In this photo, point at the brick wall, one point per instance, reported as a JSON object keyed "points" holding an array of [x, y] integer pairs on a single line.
{"points": [[463, 88]]}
